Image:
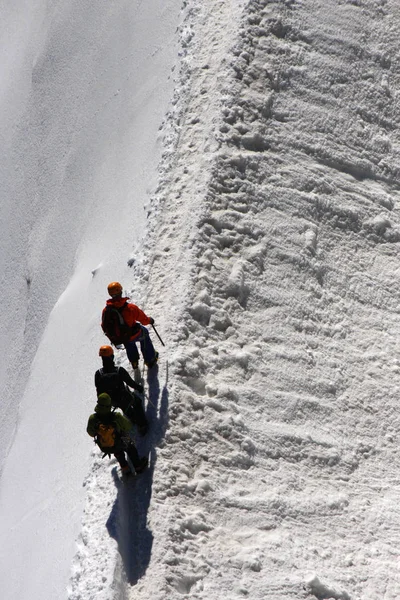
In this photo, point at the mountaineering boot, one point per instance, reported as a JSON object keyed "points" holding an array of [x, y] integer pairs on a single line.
{"points": [[141, 465], [126, 470], [152, 362]]}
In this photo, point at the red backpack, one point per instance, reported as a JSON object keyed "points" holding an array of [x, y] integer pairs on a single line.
{"points": [[114, 326]]}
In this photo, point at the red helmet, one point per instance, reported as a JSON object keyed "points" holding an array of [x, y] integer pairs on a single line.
{"points": [[114, 288], [106, 351]]}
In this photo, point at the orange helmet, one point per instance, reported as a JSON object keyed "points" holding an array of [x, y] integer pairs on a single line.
{"points": [[106, 351], [114, 288]]}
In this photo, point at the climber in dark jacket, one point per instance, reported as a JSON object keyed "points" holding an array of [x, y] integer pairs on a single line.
{"points": [[114, 380]]}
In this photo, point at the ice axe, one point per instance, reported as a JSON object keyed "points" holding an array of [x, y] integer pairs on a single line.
{"points": [[157, 334]]}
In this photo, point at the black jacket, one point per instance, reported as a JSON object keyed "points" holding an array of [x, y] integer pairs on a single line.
{"points": [[113, 381]]}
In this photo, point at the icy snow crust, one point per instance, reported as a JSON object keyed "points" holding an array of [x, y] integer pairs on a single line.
{"points": [[271, 263]]}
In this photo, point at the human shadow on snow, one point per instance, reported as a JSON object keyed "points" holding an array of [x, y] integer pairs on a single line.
{"points": [[127, 523]]}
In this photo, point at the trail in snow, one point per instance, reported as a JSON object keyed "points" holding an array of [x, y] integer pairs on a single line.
{"points": [[85, 87], [277, 232]]}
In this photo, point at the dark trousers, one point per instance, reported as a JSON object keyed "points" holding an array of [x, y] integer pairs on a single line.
{"points": [[131, 452], [146, 346], [132, 407]]}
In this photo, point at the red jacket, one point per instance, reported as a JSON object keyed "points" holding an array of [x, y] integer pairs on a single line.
{"points": [[130, 313]]}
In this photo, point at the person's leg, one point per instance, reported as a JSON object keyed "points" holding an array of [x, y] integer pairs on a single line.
{"points": [[120, 456], [123, 403], [139, 463], [134, 411], [146, 345], [132, 353], [133, 453]]}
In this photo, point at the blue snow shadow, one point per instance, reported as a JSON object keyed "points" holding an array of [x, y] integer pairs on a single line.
{"points": [[127, 523]]}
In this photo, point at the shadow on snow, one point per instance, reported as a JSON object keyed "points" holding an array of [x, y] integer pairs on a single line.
{"points": [[127, 523]]}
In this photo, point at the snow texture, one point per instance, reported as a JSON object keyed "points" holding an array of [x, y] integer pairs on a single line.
{"points": [[269, 264]]}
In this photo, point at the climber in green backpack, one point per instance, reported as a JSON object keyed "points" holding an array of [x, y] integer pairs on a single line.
{"points": [[110, 429]]}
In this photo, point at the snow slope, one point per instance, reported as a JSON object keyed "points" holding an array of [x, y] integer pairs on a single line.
{"points": [[85, 87]]}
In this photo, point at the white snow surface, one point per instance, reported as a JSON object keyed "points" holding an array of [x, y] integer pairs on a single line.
{"points": [[270, 263], [85, 88]]}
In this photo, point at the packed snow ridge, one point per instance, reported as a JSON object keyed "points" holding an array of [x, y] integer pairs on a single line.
{"points": [[270, 266]]}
